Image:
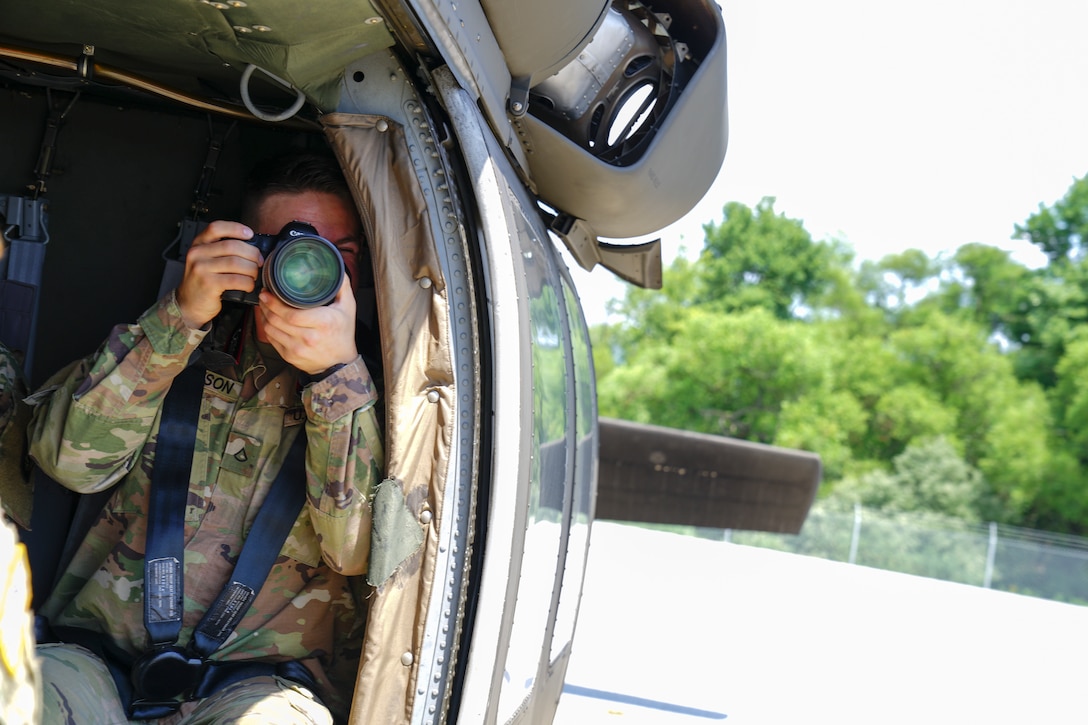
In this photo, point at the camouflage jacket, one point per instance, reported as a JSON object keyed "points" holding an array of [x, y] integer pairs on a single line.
{"points": [[98, 427], [11, 386], [20, 693], [16, 494]]}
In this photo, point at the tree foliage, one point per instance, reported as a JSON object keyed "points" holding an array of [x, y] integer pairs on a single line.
{"points": [[930, 476], [759, 259], [1060, 230], [950, 384]]}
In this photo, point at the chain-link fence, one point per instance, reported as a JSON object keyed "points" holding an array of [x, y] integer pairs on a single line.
{"points": [[1035, 563]]}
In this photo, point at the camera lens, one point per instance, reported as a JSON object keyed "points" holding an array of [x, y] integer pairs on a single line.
{"points": [[304, 271]]}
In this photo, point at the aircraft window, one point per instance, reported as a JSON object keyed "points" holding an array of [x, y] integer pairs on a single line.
{"points": [[545, 525], [585, 408]]}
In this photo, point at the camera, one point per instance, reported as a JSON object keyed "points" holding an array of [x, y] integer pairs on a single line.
{"points": [[301, 267]]}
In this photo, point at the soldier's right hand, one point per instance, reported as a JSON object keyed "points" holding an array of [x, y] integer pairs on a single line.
{"points": [[218, 260]]}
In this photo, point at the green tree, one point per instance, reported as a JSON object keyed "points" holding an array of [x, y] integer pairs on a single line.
{"points": [[1052, 303], [986, 286], [825, 420], [1002, 423], [973, 360], [929, 476], [715, 373], [1060, 230], [650, 313], [891, 283], [758, 258]]}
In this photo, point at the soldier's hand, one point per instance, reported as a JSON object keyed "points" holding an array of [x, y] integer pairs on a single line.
{"points": [[315, 339], [218, 260]]}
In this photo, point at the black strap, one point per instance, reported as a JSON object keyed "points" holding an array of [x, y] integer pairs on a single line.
{"points": [[218, 675], [163, 560], [163, 565], [213, 676], [262, 546], [164, 573]]}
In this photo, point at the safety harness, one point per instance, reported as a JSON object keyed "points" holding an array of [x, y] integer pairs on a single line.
{"points": [[159, 680]]}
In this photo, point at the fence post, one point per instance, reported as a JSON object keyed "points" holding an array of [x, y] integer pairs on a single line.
{"points": [[856, 534], [991, 555]]}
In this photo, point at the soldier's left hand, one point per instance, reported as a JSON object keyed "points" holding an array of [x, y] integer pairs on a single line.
{"points": [[315, 339]]}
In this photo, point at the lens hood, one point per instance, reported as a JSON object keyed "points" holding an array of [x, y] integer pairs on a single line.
{"points": [[304, 271]]}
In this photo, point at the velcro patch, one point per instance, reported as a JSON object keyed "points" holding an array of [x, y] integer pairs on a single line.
{"points": [[221, 385], [239, 454]]}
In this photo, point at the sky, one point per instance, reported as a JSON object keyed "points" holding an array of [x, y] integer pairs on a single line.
{"points": [[928, 126]]}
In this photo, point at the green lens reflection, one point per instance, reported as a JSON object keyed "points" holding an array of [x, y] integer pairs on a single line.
{"points": [[305, 272]]}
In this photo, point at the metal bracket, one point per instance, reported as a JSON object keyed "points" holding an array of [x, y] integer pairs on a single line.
{"points": [[300, 97], [207, 173], [24, 228], [85, 64], [47, 154], [639, 264], [519, 96]]}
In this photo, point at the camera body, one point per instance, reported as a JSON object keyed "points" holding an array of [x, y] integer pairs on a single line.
{"points": [[301, 267]]}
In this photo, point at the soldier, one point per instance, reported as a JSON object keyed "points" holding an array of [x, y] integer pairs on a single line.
{"points": [[268, 373], [20, 694]]}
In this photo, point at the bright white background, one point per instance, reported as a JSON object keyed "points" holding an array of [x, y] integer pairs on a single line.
{"points": [[926, 125]]}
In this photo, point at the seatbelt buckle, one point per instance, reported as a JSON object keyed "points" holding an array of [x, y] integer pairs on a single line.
{"points": [[163, 678]]}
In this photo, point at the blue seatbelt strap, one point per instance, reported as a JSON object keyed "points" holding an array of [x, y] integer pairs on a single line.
{"points": [[262, 546], [163, 560], [163, 564]]}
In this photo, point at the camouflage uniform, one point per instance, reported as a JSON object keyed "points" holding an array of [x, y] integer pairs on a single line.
{"points": [[20, 696], [12, 387], [99, 427]]}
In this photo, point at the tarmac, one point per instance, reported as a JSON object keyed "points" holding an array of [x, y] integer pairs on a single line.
{"points": [[676, 630]]}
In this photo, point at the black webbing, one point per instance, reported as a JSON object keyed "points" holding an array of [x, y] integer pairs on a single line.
{"points": [[163, 560], [163, 566], [271, 527]]}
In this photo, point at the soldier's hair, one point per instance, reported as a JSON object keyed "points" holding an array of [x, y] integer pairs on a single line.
{"points": [[292, 173]]}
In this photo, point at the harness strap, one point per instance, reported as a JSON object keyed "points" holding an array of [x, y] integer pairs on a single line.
{"points": [[164, 574], [165, 554], [262, 546], [190, 226], [213, 676], [217, 675], [150, 686]]}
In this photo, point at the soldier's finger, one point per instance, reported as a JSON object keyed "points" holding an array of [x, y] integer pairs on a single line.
{"points": [[221, 229]]}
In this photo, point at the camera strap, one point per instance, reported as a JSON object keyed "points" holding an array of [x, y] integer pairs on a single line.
{"points": [[163, 565], [174, 254]]}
